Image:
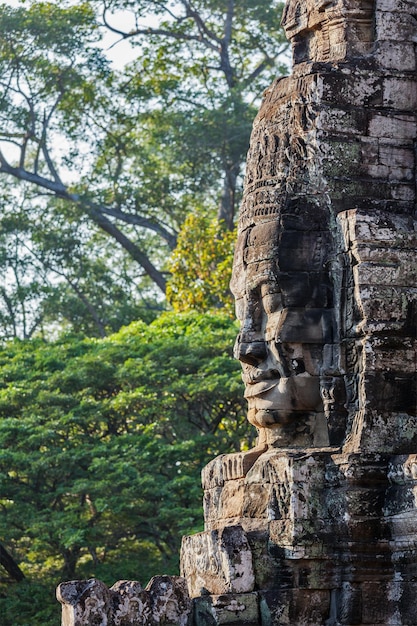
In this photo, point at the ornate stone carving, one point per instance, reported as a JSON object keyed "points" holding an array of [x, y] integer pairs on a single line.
{"points": [[325, 283], [320, 284], [164, 602]]}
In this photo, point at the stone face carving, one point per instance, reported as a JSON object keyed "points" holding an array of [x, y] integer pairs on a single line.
{"points": [[285, 294], [284, 302], [326, 293], [329, 30], [322, 289]]}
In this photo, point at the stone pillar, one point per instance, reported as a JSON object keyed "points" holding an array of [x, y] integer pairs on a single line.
{"points": [[317, 524]]}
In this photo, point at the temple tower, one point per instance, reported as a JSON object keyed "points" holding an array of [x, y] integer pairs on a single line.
{"points": [[317, 524]]}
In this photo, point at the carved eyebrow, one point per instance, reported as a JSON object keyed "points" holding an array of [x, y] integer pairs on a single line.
{"points": [[260, 283], [270, 287]]}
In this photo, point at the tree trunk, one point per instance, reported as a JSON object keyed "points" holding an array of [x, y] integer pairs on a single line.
{"points": [[10, 565], [227, 206]]}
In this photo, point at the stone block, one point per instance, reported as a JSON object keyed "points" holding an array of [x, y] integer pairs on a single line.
{"points": [[385, 308], [367, 227], [391, 432], [401, 126], [342, 121], [212, 473], [259, 501], [266, 568], [211, 502], [217, 562], [380, 271], [394, 6], [400, 508], [382, 252], [84, 602], [351, 503], [296, 480], [227, 609], [388, 354], [131, 604], [299, 538], [395, 25], [341, 158], [403, 192], [231, 501], [295, 606], [400, 93], [394, 156], [380, 603], [407, 607], [391, 56], [165, 602], [350, 88], [402, 469], [169, 600]]}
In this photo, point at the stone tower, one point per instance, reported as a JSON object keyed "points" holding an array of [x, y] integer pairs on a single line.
{"points": [[317, 525]]}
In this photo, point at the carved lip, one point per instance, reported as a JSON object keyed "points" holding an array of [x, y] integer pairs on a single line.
{"points": [[256, 389]]}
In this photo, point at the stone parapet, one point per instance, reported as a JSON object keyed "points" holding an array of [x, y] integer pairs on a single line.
{"points": [[163, 602]]}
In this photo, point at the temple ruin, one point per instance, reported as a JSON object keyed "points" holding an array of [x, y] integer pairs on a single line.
{"points": [[317, 525]]}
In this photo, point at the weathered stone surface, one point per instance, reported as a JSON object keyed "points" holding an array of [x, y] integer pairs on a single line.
{"points": [[164, 602], [84, 602], [218, 562], [325, 280], [238, 609]]}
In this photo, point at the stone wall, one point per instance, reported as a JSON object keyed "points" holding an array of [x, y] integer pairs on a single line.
{"points": [[317, 524]]}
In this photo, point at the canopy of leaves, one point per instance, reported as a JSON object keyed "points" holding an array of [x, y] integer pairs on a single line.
{"points": [[102, 443], [201, 266], [64, 274]]}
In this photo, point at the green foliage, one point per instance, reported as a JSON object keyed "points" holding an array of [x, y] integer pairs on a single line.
{"points": [[102, 443], [29, 602], [201, 266], [65, 275]]}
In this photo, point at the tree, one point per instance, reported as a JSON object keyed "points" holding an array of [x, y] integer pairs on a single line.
{"points": [[138, 150], [61, 273], [201, 266], [102, 443]]}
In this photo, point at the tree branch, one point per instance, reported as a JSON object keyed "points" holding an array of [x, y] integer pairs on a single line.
{"points": [[144, 222], [96, 212], [202, 28], [10, 565], [171, 34]]}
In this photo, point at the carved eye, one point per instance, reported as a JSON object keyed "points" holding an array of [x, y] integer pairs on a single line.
{"points": [[271, 298], [298, 366]]}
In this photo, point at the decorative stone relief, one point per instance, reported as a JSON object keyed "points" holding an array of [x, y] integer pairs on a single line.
{"points": [[164, 602], [325, 284]]}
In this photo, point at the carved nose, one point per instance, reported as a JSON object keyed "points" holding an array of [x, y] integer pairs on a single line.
{"points": [[252, 353]]}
